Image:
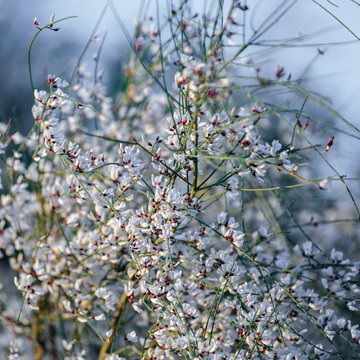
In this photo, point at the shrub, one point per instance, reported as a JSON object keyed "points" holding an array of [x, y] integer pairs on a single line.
{"points": [[157, 225]]}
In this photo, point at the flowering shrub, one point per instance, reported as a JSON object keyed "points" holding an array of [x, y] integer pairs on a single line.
{"points": [[153, 227]]}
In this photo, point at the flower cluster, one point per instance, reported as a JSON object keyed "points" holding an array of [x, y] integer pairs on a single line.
{"points": [[141, 228]]}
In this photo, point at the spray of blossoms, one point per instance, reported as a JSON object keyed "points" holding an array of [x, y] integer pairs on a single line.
{"points": [[155, 224]]}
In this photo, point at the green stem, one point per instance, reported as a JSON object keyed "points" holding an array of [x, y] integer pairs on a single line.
{"points": [[195, 159], [32, 42]]}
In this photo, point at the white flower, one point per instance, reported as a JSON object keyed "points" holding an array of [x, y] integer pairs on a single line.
{"points": [[324, 184], [352, 306], [132, 337], [99, 317], [114, 357]]}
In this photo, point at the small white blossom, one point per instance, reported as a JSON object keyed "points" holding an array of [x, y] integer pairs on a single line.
{"points": [[132, 337]]}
